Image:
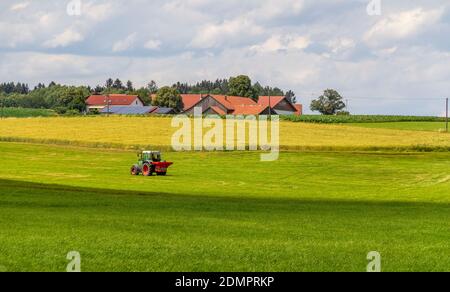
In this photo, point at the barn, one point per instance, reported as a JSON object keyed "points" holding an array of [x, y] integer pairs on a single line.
{"points": [[236, 105], [101, 102]]}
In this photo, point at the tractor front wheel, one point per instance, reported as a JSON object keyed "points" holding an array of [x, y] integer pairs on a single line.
{"points": [[147, 170], [162, 173], [134, 170]]}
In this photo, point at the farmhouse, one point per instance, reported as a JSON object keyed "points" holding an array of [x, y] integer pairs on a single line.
{"points": [[102, 102], [236, 105], [123, 104]]}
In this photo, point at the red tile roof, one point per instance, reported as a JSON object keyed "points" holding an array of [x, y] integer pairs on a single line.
{"points": [[229, 102], [189, 100], [218, 110], [274, 100], [249, 109], [115, 99]]}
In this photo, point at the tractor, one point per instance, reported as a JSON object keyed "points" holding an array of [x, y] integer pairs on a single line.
{"points": [[149, 162]]}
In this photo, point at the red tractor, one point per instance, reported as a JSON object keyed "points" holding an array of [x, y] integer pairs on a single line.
{"points": [[149, 163]]}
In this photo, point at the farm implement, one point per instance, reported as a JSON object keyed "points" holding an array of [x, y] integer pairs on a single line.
{"points": [[150, 162]]}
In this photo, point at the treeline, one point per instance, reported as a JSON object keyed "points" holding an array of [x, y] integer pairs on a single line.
{"points": [[63, 99], [12, 87], [71, 99], [222, 86]]}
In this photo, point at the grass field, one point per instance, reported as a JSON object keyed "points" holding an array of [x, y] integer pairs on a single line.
{"points": [[145, 132], [316, 211], [309, 211]]}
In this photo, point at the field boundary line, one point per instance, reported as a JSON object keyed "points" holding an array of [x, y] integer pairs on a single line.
{"points": [[168, 148]]}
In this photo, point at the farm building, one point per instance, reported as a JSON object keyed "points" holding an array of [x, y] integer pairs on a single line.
{"points": [[129, 110], [280, 105], [236, 105], [100, 102], [164, 111], [123, 104]]}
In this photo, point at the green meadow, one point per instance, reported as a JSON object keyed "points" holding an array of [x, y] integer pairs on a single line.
{"points": [[12, 112], [308, 211]]}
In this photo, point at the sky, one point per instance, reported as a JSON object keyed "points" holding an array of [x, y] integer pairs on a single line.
{"points": [[383, 56]]}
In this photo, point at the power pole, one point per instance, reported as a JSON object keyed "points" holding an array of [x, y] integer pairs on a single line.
{"points": [[107, 101], [270, 109], [446, 114]]}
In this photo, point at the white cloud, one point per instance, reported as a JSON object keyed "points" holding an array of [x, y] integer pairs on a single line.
{"points": [[282, 43], [98, 12], [125, 44], [153, 44], [294, 44], [19, 6], [402, 25], [68, 37], [275, 8], [227, 32], [339, 45]]}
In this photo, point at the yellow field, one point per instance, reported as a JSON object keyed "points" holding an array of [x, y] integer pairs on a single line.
{"points": [[138, 132]]}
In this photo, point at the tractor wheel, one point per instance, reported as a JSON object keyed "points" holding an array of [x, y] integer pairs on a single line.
{"points": [[147, 170], [134, 170], [162, 173]]}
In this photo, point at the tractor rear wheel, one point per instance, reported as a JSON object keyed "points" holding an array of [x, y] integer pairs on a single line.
{"points": [[147, 170], [134, 170]]}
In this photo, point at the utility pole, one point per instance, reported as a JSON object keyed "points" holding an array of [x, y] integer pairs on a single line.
{"points": [[270, 109], [446, 114], [108, 102]]}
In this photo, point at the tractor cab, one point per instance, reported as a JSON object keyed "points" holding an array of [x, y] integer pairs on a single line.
{"points": [[151, 156], [150, 162]]}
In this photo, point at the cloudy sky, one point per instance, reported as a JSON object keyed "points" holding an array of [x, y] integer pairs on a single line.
{"points": [[394, 62]]}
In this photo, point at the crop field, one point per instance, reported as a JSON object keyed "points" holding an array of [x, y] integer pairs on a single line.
{"points": [[410, 126], [354, 119], [221, 211], [145, 132]]}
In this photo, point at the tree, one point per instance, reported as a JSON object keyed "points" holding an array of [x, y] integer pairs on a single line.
{"points": [[73, 98], [152, 87], [169, 97], [144, 95], [98, 89], [259, 89], [118, 84], [329, 103], [290, 95], [130, 85], [241, 86], [109, 83]]}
